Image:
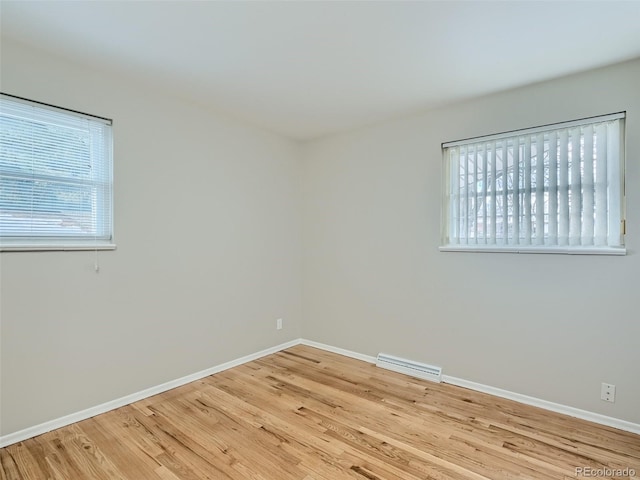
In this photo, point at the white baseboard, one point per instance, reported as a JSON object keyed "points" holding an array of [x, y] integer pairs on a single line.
{"points": [[525, 399], [134, 397], [537, 402], [339, 351]]}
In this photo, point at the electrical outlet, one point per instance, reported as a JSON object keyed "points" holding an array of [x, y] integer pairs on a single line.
{"points": [[608, 392], [279, 324]]}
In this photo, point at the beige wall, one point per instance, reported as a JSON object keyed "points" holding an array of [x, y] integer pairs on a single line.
{"points": [[548, 326], [199, 276]]}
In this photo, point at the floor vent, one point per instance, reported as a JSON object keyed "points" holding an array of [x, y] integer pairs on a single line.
{"points": [[409, 367]]}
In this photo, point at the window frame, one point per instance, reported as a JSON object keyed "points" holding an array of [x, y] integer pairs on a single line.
{"points": [[104, 203], [507, 244]]}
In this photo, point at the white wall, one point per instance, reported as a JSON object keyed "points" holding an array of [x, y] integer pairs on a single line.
{"points": [[207, 224], [548, 326]]}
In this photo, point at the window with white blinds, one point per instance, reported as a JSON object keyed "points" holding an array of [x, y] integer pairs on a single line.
{"points": [[555, 189], [55, 178]]}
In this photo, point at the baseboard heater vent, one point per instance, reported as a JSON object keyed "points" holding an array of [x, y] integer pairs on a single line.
{"points": [[409, 367]]}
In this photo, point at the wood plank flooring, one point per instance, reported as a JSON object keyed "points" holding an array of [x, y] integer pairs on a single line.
{"points": [[306, 414]]}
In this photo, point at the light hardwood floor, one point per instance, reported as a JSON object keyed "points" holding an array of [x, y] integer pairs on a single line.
{"points": [[308, 414]]}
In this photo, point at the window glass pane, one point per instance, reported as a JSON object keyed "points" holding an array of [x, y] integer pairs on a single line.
{"points": [[536, 189], [55, 176]]}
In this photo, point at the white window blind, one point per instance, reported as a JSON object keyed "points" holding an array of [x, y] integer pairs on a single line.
{"points": [[55, 178], [557, 189]]}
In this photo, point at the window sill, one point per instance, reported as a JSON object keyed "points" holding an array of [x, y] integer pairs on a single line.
{"points": [[55, 248], [535, 249]]}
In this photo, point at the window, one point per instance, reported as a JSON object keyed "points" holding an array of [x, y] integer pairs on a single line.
{"points": [[55, 178], [555, 189]]}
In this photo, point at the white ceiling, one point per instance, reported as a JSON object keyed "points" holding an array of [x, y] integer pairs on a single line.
{"points": [[307, 69]]}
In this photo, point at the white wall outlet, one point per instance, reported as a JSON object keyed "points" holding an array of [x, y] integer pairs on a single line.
{"points": [[279, 324], [608, 392]]}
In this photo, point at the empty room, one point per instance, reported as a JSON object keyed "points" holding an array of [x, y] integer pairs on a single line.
{"points": [[319, 240]]}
